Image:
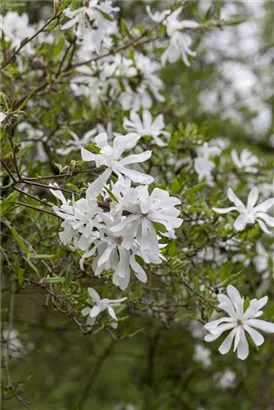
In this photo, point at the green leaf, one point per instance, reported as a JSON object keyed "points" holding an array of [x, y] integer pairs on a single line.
{"points": [[7, 203], [124, 28], [105, 15], [42, 256], [93, 148], [19, 240], [58, 47], [32, 266], [64, 5], [195, 188]]}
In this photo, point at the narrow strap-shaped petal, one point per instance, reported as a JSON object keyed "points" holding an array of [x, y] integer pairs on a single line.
{"points": [[112, 313], [241, 222], [233, 198], [261, 324], [257, 338], [242, 349], [227, 343], [264, 206], [95, 311], [252, 198], [224, 210]]}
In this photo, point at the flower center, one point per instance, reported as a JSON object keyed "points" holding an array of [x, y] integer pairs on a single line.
{"points": [[239, 322]]}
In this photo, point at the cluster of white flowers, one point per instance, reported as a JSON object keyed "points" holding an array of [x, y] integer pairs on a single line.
{"points": [[126, 232], [93, 24], [109, 78], [179, 41]]}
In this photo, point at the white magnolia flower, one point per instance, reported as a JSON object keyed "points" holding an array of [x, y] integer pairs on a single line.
{"points": [[90, 19], [100, 305], [202, 354], [150, 84], [12, 345], [147, 127], [76, 143], [145, 210], [16, 28], [179, 46], [249, 214], [245, 161], [81, 219], [238, 322], [110, 156], [202, 163], [111, 255]]}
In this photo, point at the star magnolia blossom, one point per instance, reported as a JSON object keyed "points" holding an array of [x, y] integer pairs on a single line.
{"points": [[180, 42], [81, 218], [249, 214], [245, 161], [145, 210], [76, 143], [110, 156], [100, 306], [238, 322], [16, 28], [147, 127], [94, 13], [202, 163]]}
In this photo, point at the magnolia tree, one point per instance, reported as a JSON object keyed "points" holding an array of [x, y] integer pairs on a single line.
{"points": [[123, 222]]}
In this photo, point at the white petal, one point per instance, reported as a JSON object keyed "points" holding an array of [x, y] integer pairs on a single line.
{"points": [[236, 299], [112, 313], [136, 158], [123, 143], [240, 222], [264, 206], [96, 187], [224, 210], [257, 338], [233, 198], [227, 343], [94, 311], [243, 349], [85, 311], [252, 198], [94, 295], [139, 271], [87, 155], [261, 324]]}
